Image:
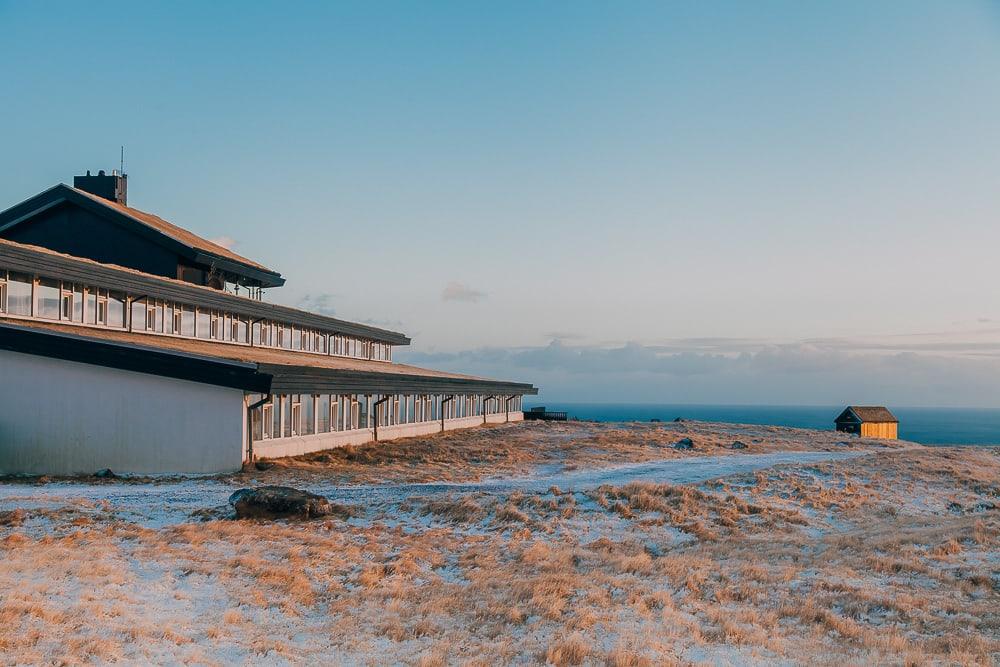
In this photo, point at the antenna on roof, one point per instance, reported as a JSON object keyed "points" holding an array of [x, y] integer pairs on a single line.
{"points": [[123, 160]]}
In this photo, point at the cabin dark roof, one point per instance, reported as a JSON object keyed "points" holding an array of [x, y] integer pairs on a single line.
{"points": [[186, 243], [284, 371], [28, 258], [868, 414]]}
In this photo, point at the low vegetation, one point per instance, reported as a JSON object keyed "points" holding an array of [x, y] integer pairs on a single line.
{"points": [[890, 558]]}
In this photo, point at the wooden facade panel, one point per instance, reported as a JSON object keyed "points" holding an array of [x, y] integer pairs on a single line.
{"points": [[885, 430]]}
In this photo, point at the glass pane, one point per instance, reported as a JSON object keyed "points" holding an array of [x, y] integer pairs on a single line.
{"points": [[138, 315], [323, 413], [204, 324], [116, 310], [286, 407], [187, 321], [48, 299], [307, 415], [77, 303], [19, 294]]}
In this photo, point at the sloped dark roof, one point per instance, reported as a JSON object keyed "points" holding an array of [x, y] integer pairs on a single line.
{"points": [[194, 247], [180, 234], [868, 414]]}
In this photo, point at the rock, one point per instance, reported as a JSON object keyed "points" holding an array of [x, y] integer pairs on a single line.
{"points": [[105, 473], [678, 420], [738, 445], [684, 443], [263, 465], [272, 502], [655, 420]]}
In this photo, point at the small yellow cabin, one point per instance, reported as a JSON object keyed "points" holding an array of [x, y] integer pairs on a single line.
{"points": [[868, 422]]}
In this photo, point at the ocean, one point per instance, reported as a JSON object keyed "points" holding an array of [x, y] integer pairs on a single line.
{"points": [[928, 426]]}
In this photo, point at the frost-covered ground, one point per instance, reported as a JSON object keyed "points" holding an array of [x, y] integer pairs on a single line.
{"points": [[526, 544]]}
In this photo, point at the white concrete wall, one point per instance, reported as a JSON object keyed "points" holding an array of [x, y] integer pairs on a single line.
{"points": [[63, 418], [294, 446]]}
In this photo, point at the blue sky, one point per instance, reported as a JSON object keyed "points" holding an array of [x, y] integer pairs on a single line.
{"points": [[709, 202]]}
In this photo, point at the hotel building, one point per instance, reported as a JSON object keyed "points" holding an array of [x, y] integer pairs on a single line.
{"points": [[129, 343]]}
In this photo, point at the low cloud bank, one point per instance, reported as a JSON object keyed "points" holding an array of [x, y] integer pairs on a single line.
{"points": [[706, 371]]}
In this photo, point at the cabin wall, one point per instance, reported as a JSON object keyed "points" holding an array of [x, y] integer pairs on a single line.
{"points": [[66, 418], [886, 430]]}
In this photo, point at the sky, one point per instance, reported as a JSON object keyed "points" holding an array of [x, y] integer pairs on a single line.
{"points": [[711, 202]]}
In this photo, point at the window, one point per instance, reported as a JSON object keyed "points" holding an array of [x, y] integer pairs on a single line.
{"points": [[308, 415], [336, 413], [77, 303], [203, 327], [18, 294], [67, 306], [137, 311], [3, 291], [116, 310], [293, 412], [48, 299], [187, 321], [276, 417], [323, 413], [102, 308]]}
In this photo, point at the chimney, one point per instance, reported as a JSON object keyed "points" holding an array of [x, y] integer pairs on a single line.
{"points": [[113, 187]]}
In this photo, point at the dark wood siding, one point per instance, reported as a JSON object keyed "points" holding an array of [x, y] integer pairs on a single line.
{"points": [[72, 230]]}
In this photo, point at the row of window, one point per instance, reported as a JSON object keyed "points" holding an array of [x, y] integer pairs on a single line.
{"points": [[28, 296], [285, 416]]}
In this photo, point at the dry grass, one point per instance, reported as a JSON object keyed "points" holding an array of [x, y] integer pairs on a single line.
{"points": [[803, 564], [515, 449]]}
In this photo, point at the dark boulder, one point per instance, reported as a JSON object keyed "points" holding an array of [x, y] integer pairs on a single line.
{"points": [[105, 473], [738, 445], [678, 420], [273, 502], [263, 465], [684, 443]]}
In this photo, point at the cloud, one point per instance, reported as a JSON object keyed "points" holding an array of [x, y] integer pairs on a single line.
{"points": [[321, 303], [564, 335], [226, 242], [456, 291], [805, 372]]}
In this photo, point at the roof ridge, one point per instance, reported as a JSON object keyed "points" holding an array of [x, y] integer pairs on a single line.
{"points": [[167, 228]]}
